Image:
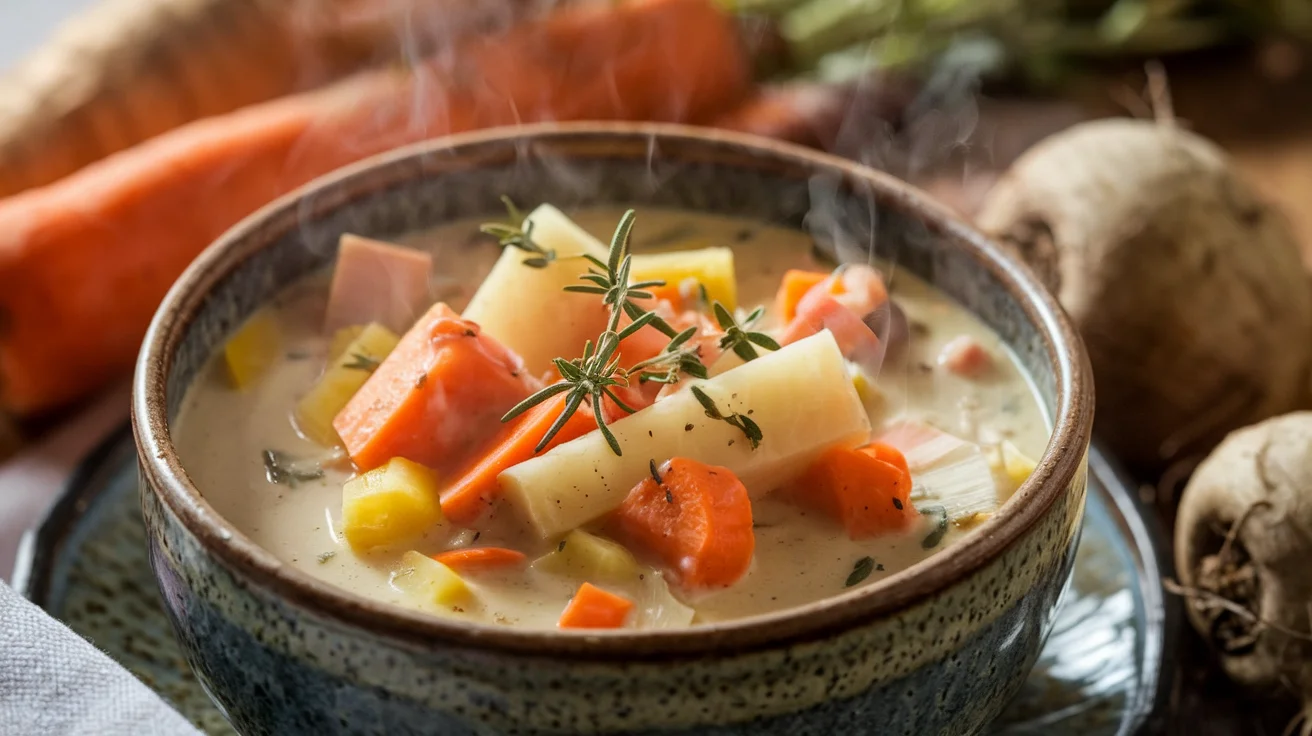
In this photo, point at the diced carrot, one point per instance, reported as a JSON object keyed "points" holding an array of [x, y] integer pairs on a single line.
{"points": [[865, 494], [794, 285], [378, 282], [479, 558], [436, 399], [697, 520], [964, 356], [593, 608], [474, 489], [821, 311], [887, 453]]}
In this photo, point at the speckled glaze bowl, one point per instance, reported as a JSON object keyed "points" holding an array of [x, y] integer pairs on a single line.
{"points": [[936, 649]]}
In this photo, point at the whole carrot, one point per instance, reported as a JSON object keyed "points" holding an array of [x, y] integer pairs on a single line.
{"points": [[124, 71], [85, 261]]}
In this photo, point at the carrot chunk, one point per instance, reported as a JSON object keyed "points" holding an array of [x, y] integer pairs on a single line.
{"points": [[474, 489], [480, 558], [864, 493], [795, 284], [437, 398], [697, 520], [593, 608], [889, 454]]}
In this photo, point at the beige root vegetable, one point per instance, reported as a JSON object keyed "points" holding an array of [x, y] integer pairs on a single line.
{"points": [[124, 71], [1243, 550], [1189, 292]]}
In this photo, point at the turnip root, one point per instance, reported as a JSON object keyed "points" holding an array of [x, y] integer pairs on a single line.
{"points": [[1189, 292], [1243, 549]]}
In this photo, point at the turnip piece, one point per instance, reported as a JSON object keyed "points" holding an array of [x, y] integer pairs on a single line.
{"points": [[377, 282], [1243, 541], [801, 397], [1188, 290], [525, 309]]}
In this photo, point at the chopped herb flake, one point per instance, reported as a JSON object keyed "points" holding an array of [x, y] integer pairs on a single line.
{"points": [[749, 428], [860, 571], [940, 526], [361, 362], [561, 547], [655, 474], [897, 503]]}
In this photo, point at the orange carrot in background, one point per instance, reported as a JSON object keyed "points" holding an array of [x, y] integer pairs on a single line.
{"points": [[437, 398], [480, 558], [85, 261], [593, 608], [697, 519], [795, 285], [866, 494], [474, 490]]}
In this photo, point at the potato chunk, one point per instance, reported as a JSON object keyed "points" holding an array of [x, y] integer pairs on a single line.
{"points": [[710, 267], [252, 349], [392, 503], [589, 557], [344, 376], [430, 582]]}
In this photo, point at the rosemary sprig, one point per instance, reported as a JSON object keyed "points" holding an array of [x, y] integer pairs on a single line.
{"points": [[741, 421], [516, 235], [610, 280], [739, 338]]}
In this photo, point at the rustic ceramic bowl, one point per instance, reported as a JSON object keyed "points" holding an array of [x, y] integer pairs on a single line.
{"points": [[938, 648]]}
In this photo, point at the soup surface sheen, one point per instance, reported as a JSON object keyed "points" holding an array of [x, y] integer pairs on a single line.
{"points": [[800, 556]]}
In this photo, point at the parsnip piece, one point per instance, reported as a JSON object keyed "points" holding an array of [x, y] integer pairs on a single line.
{"points": [[525, 308], [801, 397], [343, 377], [430, 582], [710, 267]]}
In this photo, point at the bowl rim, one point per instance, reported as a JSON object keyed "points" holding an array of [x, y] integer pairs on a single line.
{"points": [[165, 476]]}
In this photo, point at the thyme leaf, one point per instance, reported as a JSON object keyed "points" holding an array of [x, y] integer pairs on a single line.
{"points": [[519, 234], [362, 362], [282, 469], [750, 429], [860, 571], [741, 338], [933, 539]]}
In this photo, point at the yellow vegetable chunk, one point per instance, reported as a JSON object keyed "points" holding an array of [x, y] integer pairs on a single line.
{"points": [[393, 503], [430, 582], [252, 349], [710, 267], [1010, 464], [347, 373], [342, 340], [589, 557]]}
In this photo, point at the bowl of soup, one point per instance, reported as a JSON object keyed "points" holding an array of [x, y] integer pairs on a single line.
{"points": [[610, 428]]}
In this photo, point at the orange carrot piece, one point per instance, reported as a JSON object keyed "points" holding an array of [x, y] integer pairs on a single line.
{"points": [[480, 558], [697, 520], [474, 490], [887, 453], [85, 261], [794, 285], [821, 311], [593, 608], [865, 494], [437, 398]]}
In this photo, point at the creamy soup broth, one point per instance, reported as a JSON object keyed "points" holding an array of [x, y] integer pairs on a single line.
{"points": [[800, 556]]}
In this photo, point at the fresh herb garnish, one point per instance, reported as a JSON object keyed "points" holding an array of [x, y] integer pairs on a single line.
{"points": [[325, 556], [741, 421], [860, 571], [940, 526], [594, 376], [516, 234], [281, 469], [561, 547], [739, 338], [362, 362]]}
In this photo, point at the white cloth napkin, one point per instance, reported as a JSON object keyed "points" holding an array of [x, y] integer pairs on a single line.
{"points": [[55, 683]]}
